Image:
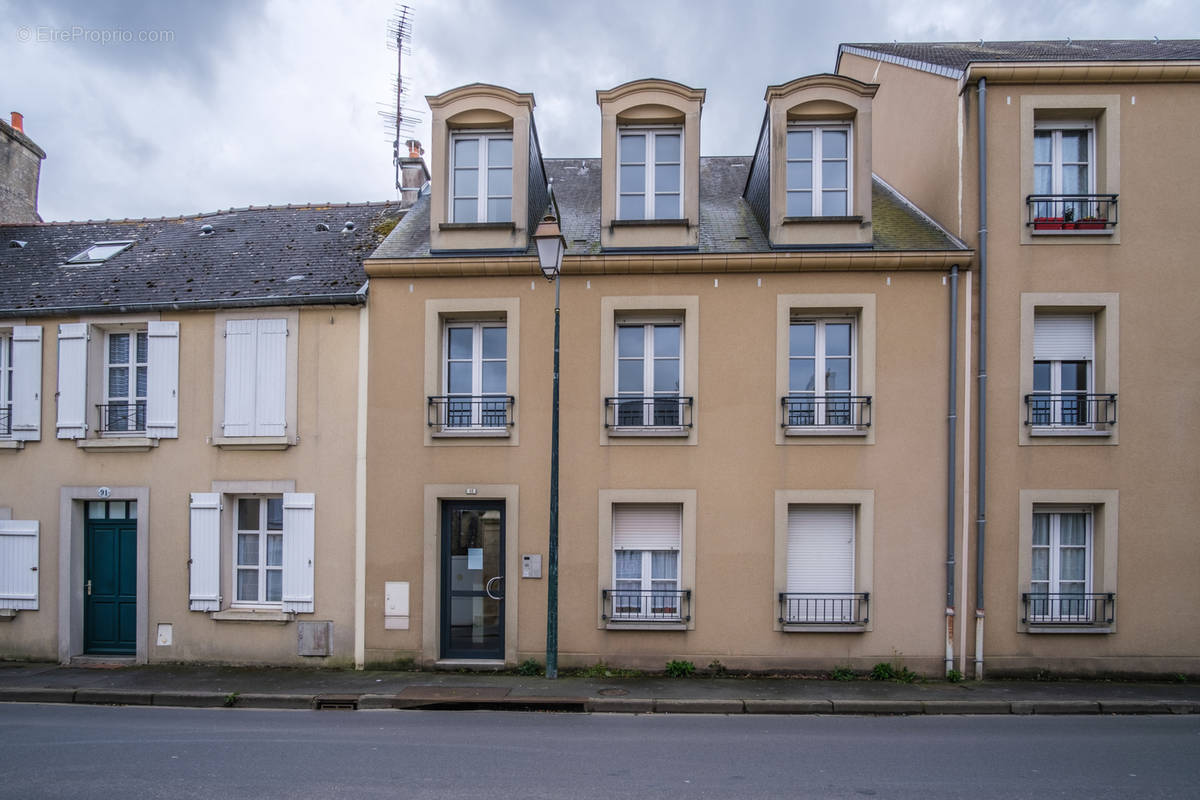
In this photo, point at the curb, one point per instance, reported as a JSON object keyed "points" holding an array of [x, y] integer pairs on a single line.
{"points": [[9, 694], [113, 697], [789, 706], [878, 707], [690, 706]]}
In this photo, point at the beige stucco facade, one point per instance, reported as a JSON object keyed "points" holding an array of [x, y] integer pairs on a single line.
{"points": [[1135, 281]]}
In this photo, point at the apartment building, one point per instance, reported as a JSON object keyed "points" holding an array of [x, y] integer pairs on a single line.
{"points": [[1068, 167], [756, 373]]}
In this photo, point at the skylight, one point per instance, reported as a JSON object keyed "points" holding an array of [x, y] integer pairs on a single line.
{"points": [[99, 252]]}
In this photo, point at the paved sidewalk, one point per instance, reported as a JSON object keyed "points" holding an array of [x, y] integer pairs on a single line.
{"points": [[327, 689]]}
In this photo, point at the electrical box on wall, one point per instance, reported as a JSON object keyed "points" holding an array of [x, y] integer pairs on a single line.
{"points": [[395, 605], [531, 565]]}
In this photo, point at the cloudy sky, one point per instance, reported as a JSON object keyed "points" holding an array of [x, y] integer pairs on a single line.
{"points": [[151, 108]]}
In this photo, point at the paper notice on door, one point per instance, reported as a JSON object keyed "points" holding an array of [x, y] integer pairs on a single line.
{"points": [[474, 558]]}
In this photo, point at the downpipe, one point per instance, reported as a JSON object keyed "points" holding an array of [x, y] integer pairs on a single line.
{"points": [[951, 455], [981, 453]]}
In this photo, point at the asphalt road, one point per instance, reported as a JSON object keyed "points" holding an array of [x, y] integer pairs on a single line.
{"points": [[94, 751]]}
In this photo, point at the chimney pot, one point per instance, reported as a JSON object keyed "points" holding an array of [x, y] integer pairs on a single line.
{"points": [[414, 148], [18, 121]]}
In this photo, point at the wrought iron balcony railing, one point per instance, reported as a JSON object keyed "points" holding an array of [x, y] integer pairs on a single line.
{"points": [[827, 410], [1065, 608], [824, 608], [6, 420], [658, 605], [1071, 213], [1071, 410], [122, 417], [650, 411], [466, 413]]}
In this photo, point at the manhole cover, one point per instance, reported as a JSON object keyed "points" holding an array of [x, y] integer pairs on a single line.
{"points": [[613, 692]]}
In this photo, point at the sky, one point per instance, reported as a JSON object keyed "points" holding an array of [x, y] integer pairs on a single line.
{"points": [[152, 108]]}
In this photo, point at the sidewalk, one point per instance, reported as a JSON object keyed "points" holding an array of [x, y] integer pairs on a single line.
{"points": [[245, 687]]}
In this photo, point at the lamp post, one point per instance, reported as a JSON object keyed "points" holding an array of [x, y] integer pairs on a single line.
{"points": [[550, 246]]}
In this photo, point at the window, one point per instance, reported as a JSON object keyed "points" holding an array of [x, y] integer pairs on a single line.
{"points": [[256, 377], [118, 377], [126, 359], [99, 252], [258, 571], [20, 384], [271, 541], [650, 173], [1062, 548], [1063, 167], [475, 379], [19, 564], [820, 566], [1062, 368], [646, 545], [482, 177], [821, 375], [649, 374], [6, 385], [818, 170]]}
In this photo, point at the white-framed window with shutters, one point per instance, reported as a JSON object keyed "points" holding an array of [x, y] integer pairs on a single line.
{"points": [[19, 564], [6, 384], [819, 170], [481, 176], [646, 541], [1061, 577], [118, 378], [267, 541], [650, 173], [257, 378], [1063, 371], [821, 566]]}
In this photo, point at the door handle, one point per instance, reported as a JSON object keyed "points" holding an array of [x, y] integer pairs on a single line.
{"points": [[88, 587], [487, 588]]}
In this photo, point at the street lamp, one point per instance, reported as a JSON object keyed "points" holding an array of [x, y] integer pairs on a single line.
{"points": [[550, 246]]}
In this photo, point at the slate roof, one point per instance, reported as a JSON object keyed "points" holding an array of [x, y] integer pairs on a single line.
{"points": [[727, 225], [953, 57], [255, 256]]}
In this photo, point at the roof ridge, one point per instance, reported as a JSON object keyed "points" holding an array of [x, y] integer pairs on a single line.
{"points": [[205, 214]]}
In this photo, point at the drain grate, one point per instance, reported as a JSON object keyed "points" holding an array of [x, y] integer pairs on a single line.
{"points": [[336, 702]]}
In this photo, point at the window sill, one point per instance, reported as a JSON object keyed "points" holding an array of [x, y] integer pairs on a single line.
{"points": [[253, 442], [645, 625], [1090, 232], [823, 627], [672, 431], [648, 223], [824, 430], [477, 226], [8, 614], [115, 444], [1083, 628], [473, 433], [821, 220], [11, 444], [1068, 433], [272, 615]]}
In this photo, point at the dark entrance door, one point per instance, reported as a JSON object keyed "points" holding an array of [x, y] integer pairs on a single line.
{"points": [[110, 578], [473, 579]]}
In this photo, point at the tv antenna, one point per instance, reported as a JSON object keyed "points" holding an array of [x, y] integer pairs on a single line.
{"points": [[400, 119]]}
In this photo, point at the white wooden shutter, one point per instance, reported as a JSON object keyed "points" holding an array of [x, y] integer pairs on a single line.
{"points": [[240, 337], [72, 380], [1063, 337], [19, 564], [270, 411], [299, 550], [162, 390], [205, 563], [27, 383], [820, 554], [646, 526]]}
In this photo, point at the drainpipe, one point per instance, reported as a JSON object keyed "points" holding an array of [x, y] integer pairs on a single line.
{"points": [[951, 431], [981, 451]]}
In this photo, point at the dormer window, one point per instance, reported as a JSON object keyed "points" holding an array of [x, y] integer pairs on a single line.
{"points": [[650, 173], [818, 170], [482, 169], [99, 252]]}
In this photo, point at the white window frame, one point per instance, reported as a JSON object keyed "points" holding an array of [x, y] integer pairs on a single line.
{"points": [[649, 610], [824, 612], [132, 365], [261, 567], [86, 256], [479, 420], [226, 403], [1056, 128], [1056, 390], [648, 359], [6, 383], [817, 159], [649, 162], [482, 178], [821, 412], [1055, 547]]}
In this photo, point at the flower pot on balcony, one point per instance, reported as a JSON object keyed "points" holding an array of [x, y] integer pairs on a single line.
{"points": [[1048, 224], [1091, 224]]}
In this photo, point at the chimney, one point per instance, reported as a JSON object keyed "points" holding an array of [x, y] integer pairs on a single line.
{"points": [[414, 148], [413, 173], [20, 169]]}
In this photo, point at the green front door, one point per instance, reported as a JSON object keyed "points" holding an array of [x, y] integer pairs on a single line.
{"points": [[110, 578]]}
